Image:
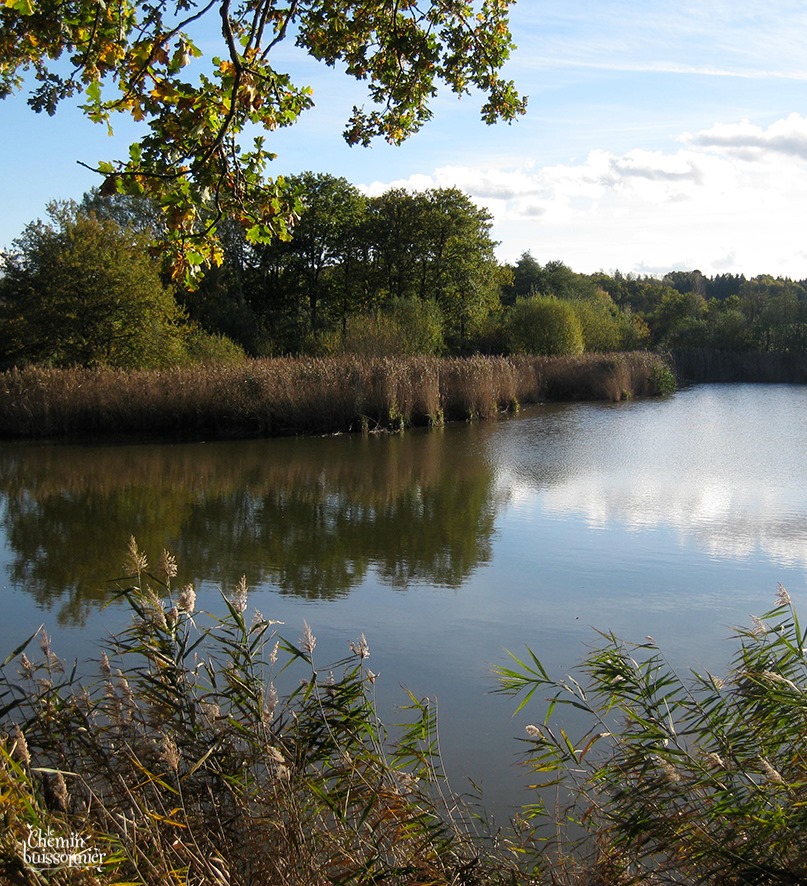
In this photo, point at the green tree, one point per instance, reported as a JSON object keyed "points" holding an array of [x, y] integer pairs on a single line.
{"points": [[544, 325], [554, 279], [316, 279], [686, 281], [138, 58], [325, 246], [677, 316], [135, 213], [396, 230], [724, 286], [462, 274], [84, 291], [775, 308], [223, 302], [436, 245], [561, 281], [526, 279], [729, 326]]}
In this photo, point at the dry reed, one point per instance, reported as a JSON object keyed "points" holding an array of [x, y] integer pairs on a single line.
{"points": [[305, 395], [180, 761]]}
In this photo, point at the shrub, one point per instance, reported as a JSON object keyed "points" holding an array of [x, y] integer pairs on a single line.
{"points": [[420, 323], [699, 781], [662, 379], [405, 327], [602, 330], [210, 347], [544, 325]]}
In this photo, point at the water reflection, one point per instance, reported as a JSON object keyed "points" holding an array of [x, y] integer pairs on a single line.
{"points": [[722, 466], [657, 518], [308, 516]]}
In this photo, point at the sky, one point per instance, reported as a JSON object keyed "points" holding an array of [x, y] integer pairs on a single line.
{"points": [[659, 136]]}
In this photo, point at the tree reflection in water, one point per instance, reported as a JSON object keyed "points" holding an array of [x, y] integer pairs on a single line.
{"points": [[311, 517]]}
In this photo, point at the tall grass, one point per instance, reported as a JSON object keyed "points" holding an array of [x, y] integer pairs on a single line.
{"points": [[678, 781], [182, 762], [306, 395], [182, 759]]}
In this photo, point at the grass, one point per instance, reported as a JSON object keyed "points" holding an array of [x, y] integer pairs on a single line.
{"points": [[307, 395]]}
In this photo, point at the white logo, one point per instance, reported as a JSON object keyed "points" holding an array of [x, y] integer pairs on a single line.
{"points": [[46, 851]]}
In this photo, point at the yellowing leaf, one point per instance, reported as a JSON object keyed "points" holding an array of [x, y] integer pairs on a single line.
{"points": [[24, 7]]}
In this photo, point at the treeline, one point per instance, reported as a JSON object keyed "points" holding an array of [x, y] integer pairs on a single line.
{"points": [[726, 312], [398, 274]]}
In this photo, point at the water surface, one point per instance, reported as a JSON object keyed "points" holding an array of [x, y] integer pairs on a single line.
{"points": [[674, 518]]}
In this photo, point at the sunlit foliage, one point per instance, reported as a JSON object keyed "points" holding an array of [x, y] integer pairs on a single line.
{"points": [[143, 60]]}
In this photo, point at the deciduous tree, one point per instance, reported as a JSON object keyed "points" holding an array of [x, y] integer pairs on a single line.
{"points": [[142, 59], [83, 291]]}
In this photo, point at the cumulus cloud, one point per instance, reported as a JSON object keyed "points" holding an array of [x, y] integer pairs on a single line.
{"points": [[724, 200], [745, 139]]}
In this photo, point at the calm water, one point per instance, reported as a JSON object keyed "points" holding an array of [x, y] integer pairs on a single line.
{"points": [[673, 518]]}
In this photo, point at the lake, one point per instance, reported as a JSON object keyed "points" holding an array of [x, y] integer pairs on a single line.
{"points": [[674, 518]]}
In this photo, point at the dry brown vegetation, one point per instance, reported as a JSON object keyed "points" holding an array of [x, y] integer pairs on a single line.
{"points": [[309, 395], [178, 761]]}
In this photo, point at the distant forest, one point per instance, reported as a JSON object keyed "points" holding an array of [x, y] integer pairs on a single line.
{"points": [[401, 273]]}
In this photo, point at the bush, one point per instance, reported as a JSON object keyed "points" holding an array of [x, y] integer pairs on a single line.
{"points": [[602, 330], [662, 379], [699, 781], [544, 325], [210, 347], [405, 327]]}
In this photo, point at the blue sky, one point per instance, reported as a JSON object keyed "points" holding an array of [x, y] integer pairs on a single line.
{"points": [[659, 136]]}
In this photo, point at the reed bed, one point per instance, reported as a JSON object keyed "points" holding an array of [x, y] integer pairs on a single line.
{"points": [[178, 760], [307, 395], [208, 750]]}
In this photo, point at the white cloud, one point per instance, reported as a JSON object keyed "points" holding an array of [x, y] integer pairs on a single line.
{"points": [[725, 200], [747, 140]]}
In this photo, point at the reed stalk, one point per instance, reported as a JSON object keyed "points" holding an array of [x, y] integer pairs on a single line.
{"points": [[180, 761], [673, 780]]}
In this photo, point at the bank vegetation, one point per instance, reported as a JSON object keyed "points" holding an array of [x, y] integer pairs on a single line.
{"points": [[395, 276], [309, 395], [210, 750]]}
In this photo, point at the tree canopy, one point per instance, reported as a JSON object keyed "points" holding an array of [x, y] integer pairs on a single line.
{"points": [[83, 291], [139, 58]]}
